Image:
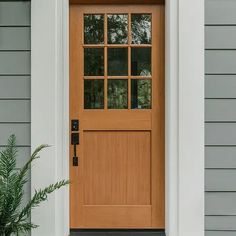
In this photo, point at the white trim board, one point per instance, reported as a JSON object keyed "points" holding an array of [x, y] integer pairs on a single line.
{"points": [[184, 114]]}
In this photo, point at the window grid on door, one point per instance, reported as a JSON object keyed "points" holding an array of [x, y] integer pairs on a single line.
{"points": [[132, 48]]}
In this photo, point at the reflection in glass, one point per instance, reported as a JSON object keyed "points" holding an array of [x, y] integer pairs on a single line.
{"points": [[141, 28], [141, 91], [117, 61], [93, 61], [117, 29], [141, 61], [93, 29], [93, 94], [117, 94]]}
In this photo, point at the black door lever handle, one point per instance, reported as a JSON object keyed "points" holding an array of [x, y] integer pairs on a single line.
{"points": [[75, 142], [75, 139]]}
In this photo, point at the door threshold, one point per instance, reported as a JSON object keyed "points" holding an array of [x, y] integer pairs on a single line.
{"points": [[116, 232]]}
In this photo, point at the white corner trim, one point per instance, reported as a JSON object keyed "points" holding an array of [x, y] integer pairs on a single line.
{"points": [[191, 118], [184, 114], [185, 118], [50, 112]]}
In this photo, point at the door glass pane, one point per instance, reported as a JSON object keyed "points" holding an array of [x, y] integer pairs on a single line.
{"points": [[117, 29], [117, 94], [141, 61], [93, 61], [117, 61], [141, 91], [94, 94], [93, 29], [141, 28]]}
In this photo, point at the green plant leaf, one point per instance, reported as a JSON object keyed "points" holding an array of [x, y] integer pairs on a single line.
{"points": [[13, 217]]}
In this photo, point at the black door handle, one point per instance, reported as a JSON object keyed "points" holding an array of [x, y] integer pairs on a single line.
{"points": [[75, 140]]}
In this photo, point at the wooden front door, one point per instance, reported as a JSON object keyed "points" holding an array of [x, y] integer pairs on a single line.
{"points": [[117, 94]]}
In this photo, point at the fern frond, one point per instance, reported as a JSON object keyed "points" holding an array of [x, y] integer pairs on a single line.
{"points": [[22, 176], [40, 196], [8, 158], [18, 228], [14, 218], [33, 157]]}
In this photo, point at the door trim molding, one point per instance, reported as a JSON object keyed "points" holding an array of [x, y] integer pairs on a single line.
{"points": [[184, 114]]}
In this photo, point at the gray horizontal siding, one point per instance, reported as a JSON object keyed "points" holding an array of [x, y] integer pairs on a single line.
{"points": [[220, 180], [220, 37], [22, 132], [14, 63], [220, 157], [15, 91], [15, 87], [14, 13], [220, 233], [220, 86], [220, 117], [220, 134], [14, 111], [220, 222], [15, 38], [220, 203], [220, 12], [220, 110], [220, 61]]}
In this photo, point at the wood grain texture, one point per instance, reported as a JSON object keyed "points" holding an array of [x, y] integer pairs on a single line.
{"points": [[117, 232], [119, 182], [117, 1], [114, 216], [117, 166]]}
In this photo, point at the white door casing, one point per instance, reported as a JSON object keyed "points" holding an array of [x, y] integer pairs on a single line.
{"points": [[184, 114]]}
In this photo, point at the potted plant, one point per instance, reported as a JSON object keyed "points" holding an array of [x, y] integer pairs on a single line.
{"points": [[15, 218]]}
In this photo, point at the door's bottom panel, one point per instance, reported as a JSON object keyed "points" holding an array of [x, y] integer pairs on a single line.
{"points": [[116, 217], [128, 232]]}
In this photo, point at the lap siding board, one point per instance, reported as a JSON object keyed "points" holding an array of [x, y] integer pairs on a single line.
{"points": [[220, 150], [15, 73]]}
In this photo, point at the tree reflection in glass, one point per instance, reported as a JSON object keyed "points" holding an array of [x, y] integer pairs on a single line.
{"points": [[117, 29], [141, 28], [141, 91], [93, 61], [141, 61], [117, 94], [93, 94], [117, 61], [93, 29]]}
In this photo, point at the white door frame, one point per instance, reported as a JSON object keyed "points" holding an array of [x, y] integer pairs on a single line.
{"points": [[184, 114]]}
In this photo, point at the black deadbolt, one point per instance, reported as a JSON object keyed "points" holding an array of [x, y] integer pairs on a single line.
{"points": [[75, 125]]}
